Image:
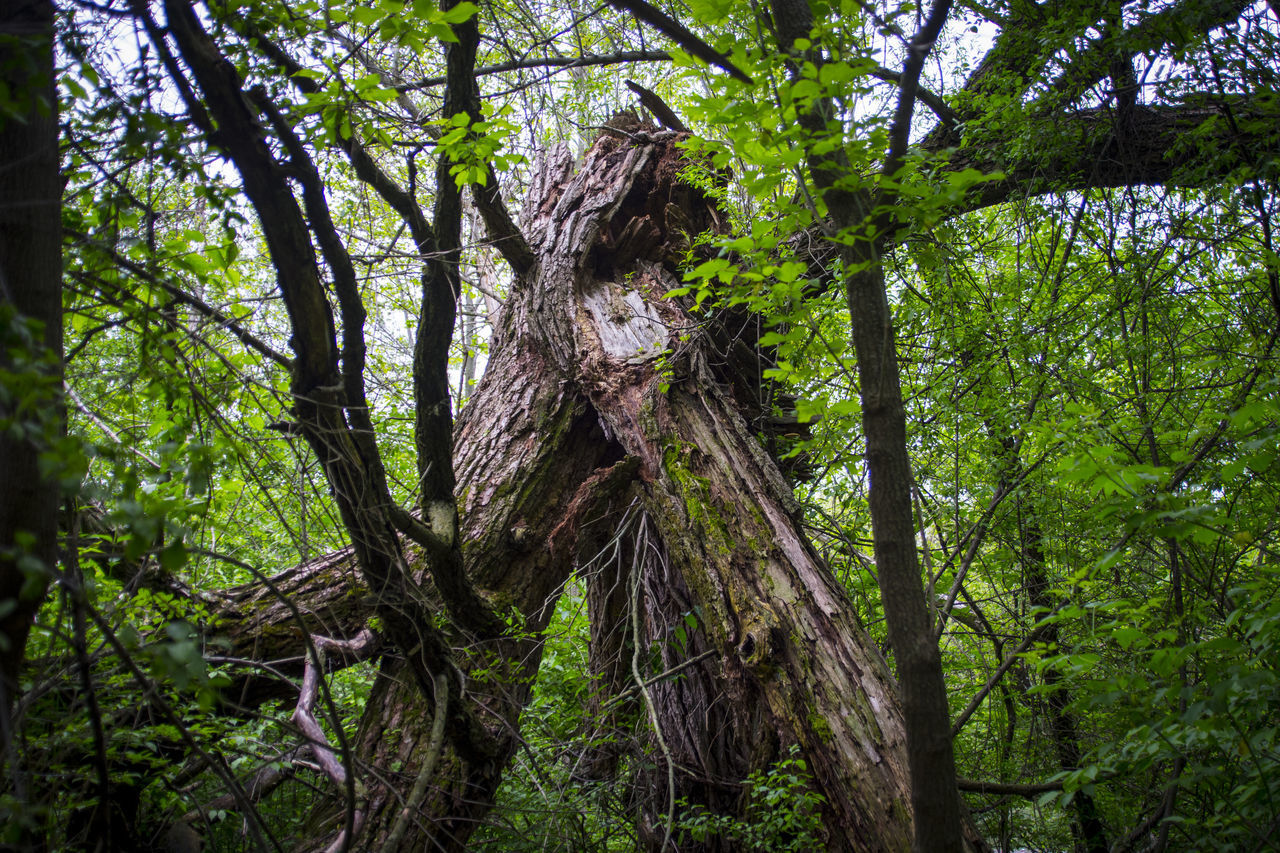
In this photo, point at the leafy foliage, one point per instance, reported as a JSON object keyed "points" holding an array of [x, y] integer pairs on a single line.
{"points": [[783, 812]]}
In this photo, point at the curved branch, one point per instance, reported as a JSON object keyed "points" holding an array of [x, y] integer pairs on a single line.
{"points": [[361, 647], [680, 34], [561, 62], [1184, 146]]}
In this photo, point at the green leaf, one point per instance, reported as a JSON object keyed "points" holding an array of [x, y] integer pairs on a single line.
{"points": [[460, 13]]}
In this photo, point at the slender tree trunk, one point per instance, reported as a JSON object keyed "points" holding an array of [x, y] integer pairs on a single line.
{"points": [[30, 329], [859, 215]]}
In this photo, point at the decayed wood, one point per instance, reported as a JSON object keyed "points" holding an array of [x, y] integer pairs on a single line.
{"points": [[572, 414], [31, 287], [574, 384], [794, 667], [573, 409]]}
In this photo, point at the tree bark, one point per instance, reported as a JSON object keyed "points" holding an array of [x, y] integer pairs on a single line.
{"points": [[576, 418], [31, 417], [576, 386]]}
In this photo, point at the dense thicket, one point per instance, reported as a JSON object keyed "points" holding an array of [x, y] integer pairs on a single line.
{"points": [[692, 426]]}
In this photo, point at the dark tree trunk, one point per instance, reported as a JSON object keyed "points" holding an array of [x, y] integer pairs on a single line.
{"points": [[30, 328]]}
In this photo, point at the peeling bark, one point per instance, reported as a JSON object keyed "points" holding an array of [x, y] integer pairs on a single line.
{"points": [[575, 386], [575, 419]]}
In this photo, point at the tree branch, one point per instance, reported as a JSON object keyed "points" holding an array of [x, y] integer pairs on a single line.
{"points": [[1175, 146], [361, 647], [650, 101], [501, 226], [1007, 788], [318, 392], [909, 83], [561, 62], [946, 116], [678, 33], [1150, 35], [200, 306]]}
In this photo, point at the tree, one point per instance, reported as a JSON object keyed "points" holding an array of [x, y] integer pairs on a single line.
{"points": [[610, 419], [31, 318]]}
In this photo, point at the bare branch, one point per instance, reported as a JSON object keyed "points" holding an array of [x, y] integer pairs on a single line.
{"points": [[678, 33], [361, 647], [650, 101], [561, 62], [244, 335]]}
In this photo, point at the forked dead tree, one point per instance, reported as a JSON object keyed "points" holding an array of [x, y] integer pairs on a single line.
{"points": [[579, 414]]}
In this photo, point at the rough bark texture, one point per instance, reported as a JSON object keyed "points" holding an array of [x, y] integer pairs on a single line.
{"points": [[578, 425], [859, 212], [30, 358], [575, 386]]}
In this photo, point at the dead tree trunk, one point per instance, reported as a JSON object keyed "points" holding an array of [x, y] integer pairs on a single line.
{"points": [[576, 405]]}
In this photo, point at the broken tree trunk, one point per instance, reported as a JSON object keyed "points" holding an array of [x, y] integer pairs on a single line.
{"points": [[578, 410]]}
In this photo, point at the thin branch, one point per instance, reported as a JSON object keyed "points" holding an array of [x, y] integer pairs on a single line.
{"points": [[111, 433], [909, 85], [1007, 788], [258, 832], [654, 104], [660, 677], [637, 643], [265, 780], [244, 335], [976, 535], [946, 116], [561, 62], [434, 748], [678, 33], [1009, 661]]}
